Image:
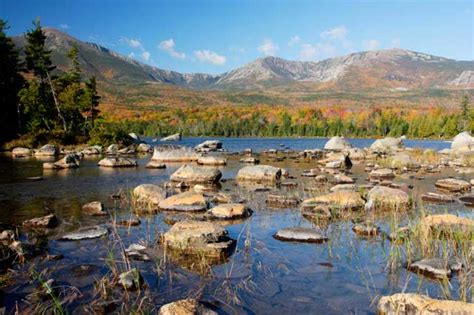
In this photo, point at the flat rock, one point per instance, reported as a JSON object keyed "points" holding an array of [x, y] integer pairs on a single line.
{"points": [[211, 160], [117, 162], [341, 187], [343, 179], [250, 160], [187, 201], [259, 173], [453, 185], [21, 152], [299, 234], [431, 197], [413, 303], [448, 222], [48, 221], [85, 233], [185, 307], [338, 200], [191, 174], [175, 137], [209, 145], [172, 154], [435, 267], [381, 174], [282, 201], [137, 252], [156, 164], [228, 211]]}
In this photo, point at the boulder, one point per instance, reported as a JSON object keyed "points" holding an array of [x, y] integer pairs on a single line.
{"points": [[403, 160], [143, 148], [188, 202], [337, 144], [47, 150], [85, 233], [112, 149], [342, 187], [250, 160], [413, 303], [130, 150], [209, 145], [453, 185], [175, 137], [463, 142], [229, 211], [149, 194], [166, 154], [299, 234], [191, 174], [155, 165], [198, 237], [211, 160], [117, 162], [387, 145], [386, 198], [381, 174], [134, 136], [94, 150], [185, 307], [49, 221], [339, 200], [137, 252], [67, 162], [259, 173], [21, 152], [435, 267], [94, 208], [343, 179], [356, 154]]}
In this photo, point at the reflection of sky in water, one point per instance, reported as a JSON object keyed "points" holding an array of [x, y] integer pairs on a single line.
{"points": [[271, 276]]}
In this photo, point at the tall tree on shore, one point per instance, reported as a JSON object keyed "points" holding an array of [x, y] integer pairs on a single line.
{"points": [[11, 82], [465, 111]]}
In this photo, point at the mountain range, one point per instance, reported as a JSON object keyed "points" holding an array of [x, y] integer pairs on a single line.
{"points": [[392, 70]]}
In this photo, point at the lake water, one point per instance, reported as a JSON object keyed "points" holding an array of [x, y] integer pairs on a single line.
{"points": [[264, 276]]}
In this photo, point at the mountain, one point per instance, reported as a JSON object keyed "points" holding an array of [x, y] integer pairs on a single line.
{"points": [[392, 70]]}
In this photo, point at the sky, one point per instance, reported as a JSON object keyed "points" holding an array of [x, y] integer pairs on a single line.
{"points": [[214, 36]]}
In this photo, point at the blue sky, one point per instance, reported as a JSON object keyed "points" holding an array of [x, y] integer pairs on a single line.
{"points": [[215, 36]]}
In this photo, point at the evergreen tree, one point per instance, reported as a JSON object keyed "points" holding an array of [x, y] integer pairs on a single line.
{"points": [[10, 83], [465, 111]]}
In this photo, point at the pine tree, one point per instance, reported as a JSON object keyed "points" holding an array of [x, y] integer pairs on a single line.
{"points": [[10, 83], [465, 111]]}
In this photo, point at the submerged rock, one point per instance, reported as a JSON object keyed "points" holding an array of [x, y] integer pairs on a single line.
{"points": [[228, 211], [85, 233], [259, 173], [48, 221], [413, 303], [386, 198], [185, 307], [187, 201], [149, 194], [337, 144], [198, 237], [339, 200], [299, 234], [94, 208], [453, 185], [117, 162], [191, 174]]}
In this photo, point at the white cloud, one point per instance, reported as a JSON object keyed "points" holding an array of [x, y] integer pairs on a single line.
{"points": [[132, 43], [307, 52], [336, 33], [64, 26], [371, 44], [131, 55], [210, 57], [396, 43], [146, 55], [169, 46], [268, 48], [294, 40]]}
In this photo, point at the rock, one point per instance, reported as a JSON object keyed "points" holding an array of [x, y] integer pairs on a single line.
{"points": [[143, 148], [47, 150], [381, 174], [7, 235], [259, 173], [198, 237], [127, 151], [386, 198], [337, 144], [432, 197], [211, 160], [356, 154], [85, 233], [387, 145], [156, 165], [130, 280], [230, 211], [435, 267], [48, 221], [448, 222], [134, 136], [343, 179], [282, 201], [191, 174], [453, 185], [166, 154], [67, 162], [137, 252], [310, 173], [94, 208], [412, 303], [129, 222], [250, 160], [175, 137], [403, 160], [20, 152], [316, 211], [321, 179], [112, 149], [339, 200], [94, 150], [333, 164], [222, 197], [342, 187], [366, 229], [463, 143], [117, 162], [187, 201], [209, 145], [185, 307], [299, 234], [149, 194]]}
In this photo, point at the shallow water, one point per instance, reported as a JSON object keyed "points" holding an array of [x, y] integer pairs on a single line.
{"points": [[264, 275]]}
